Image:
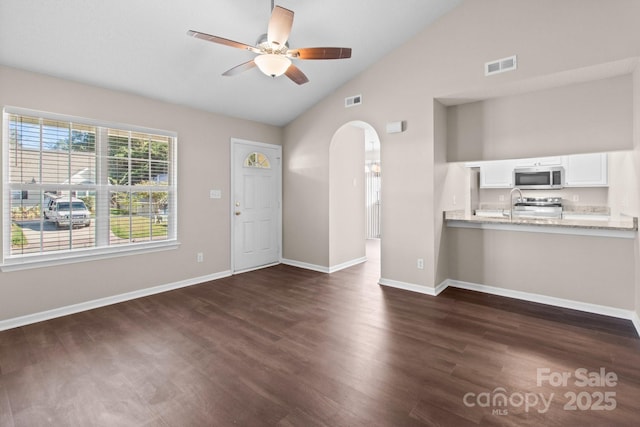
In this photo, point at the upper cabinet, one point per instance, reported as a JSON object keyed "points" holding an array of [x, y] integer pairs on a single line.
{"points": [[586, 170], [499, 173], [581, 170], [539, 161], [496, 174]]}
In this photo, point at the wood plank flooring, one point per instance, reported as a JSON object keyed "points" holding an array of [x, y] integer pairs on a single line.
{"points": [[289, 347]]}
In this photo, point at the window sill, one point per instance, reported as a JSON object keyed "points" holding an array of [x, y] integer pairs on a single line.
{"points": [[68, 257]]}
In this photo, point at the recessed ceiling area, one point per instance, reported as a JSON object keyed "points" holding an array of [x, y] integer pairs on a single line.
{"points": [[142, 47]]}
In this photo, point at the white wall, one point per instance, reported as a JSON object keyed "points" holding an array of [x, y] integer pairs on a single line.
{"points": [[568, 119], [554, 40], [551, 38], [451, 191], [203, 223], [623, 180], [593, 270], [347, 196], [636, 161]]}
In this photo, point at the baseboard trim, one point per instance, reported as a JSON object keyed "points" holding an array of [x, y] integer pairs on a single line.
{"points": [[413, 287], [347, 264], [525, 296], [101, 302], [306, 266], [260, 267], [636, 322], [544, 299], [323, 269]]}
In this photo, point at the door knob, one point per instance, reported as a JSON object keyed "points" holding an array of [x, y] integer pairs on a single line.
{"points": [[238, 213]]}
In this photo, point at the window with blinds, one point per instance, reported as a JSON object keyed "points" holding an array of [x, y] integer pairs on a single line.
{"points": [[78, 187]]}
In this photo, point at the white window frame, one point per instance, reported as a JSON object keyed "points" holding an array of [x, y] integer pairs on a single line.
{"points": [[102, 250]]}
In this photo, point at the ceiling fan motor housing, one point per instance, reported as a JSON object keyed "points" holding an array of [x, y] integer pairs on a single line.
{"points": [[263, 44]]}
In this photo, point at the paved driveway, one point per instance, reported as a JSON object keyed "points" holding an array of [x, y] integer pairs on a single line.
{"points": [[55, 238]]}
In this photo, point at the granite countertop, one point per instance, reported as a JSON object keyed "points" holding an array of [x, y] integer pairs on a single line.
{"points": [[586, 210], [624, 223], [566, 209]]}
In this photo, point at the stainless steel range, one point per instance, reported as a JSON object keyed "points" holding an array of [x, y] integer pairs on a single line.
{"points": [[538, 207]]}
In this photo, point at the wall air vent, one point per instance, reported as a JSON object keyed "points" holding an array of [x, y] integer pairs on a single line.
{"points": [[352, 101], [500, 65]]}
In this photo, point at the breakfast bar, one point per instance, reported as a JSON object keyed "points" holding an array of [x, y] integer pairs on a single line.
{"points": [[622, 226]]}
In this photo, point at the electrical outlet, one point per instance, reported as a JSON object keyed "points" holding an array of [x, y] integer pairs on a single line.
{"points": [[455, 202], [501, 198], [420, 264], [200, 257], [575, 198]]}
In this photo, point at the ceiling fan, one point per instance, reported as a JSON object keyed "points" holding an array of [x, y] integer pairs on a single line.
{"points": [[274, 55]]}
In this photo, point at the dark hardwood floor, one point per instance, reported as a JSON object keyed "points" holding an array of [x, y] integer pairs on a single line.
{"points": [[289, 347]]}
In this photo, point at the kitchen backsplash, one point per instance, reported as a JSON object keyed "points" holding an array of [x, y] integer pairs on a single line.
{"points": [[491, 198]]}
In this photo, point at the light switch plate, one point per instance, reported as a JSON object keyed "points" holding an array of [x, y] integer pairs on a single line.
{"points": [[215, 194]]}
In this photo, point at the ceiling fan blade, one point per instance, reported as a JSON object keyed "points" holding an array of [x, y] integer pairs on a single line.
{"points": [[279, 27], [240, 68], [221, 40], [320, 53], [295, 74]]}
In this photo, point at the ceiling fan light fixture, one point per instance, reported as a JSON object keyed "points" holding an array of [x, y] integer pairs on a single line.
{"points": [[272, 64], [273, 51]]}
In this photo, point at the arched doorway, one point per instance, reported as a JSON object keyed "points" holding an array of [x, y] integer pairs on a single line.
{"points": [[354, 196]]}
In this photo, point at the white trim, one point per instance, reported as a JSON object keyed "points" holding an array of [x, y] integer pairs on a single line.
{"points": [[101, 302], [544, 228], [26, 262], [525, 296], [305, 265], [321, 268], [6, 190], [347, 264], [234, 142], [636, 322], [544, 299], [87, 121], [413, 287], [259, 267], [101, 248]]}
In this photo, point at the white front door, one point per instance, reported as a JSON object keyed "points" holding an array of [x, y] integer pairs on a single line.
{"points": [[256, 207]]}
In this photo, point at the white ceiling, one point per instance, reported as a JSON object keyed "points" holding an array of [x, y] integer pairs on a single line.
{"points": [[141, 47]]}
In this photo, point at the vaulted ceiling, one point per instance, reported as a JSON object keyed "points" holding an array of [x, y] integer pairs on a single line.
{"points": [[141, 47]]}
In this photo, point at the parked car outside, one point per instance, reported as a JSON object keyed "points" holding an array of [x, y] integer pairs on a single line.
{"points": [[66, 212], [48, 204]]}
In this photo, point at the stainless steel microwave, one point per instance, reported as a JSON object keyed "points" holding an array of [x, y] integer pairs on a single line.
{"points": [[539, 178]]}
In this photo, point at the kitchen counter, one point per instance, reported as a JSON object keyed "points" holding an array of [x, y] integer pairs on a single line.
{"points": [[622, 227]]}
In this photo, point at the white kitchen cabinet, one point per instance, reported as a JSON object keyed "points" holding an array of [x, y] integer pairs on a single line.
{"points": [[581, 170], [586, 170], [497, 174], [539, 161]]}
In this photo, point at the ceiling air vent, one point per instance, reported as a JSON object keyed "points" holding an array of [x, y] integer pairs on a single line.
{"points": [[352, 101], [500, 65]]}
